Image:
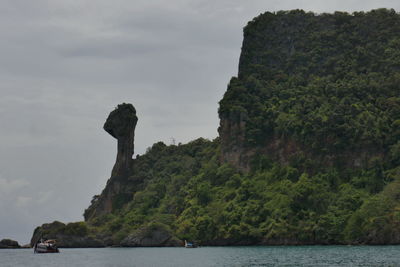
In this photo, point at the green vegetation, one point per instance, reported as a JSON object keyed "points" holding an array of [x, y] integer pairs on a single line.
{"points": [[189, 193], [56, 227], [330, 81], [327, 83]]}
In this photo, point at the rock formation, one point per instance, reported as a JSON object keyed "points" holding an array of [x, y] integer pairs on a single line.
{"points": [[309, 129], [70, 235], [8, 243], [285, 55], [120, 124], [232, 133], [151, 237]]}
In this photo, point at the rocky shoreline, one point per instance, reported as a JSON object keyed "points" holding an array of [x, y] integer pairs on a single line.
{"points": [[152, 236], [9, 243]]}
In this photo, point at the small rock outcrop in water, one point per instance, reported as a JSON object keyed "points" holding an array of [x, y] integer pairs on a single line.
{"points": [[71, 235], [8, 243], [120, 124]]}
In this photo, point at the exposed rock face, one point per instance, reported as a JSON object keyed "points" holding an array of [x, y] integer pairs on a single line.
{"points": [[120, 124], [67, 236], [232, 133], [8, 243], [151, 237], [66, 241], [236, 151]]}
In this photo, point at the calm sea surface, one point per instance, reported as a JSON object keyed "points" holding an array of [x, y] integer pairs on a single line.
{"points": [[209, 256]]}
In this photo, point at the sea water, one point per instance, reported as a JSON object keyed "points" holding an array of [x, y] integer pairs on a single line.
{"points": [[208, 256]]}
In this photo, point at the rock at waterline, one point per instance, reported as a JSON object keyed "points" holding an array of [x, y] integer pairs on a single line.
{"points": [[71, 235], [8, 243], [151, 237]]}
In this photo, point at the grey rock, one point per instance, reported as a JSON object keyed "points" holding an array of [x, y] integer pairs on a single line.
{"points": [[65, 241], [120, 124], [146, 237], [57, 230], [9, 243]]}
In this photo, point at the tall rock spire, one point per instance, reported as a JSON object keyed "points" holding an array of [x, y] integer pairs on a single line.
{"points": [[121, 124]]}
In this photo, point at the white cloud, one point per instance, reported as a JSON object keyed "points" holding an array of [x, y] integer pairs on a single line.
{"points": [[44, 197], [23, 201], [11, 186]]}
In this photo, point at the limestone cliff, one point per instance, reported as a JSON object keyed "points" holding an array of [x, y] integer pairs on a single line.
{"points": [[151, 236], [313, 87], [121, 125]]}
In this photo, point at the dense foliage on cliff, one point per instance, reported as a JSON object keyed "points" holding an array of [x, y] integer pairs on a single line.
{"points": [[189, 193], [329, 81]]}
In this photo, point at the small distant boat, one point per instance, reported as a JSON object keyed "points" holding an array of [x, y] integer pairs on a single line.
{"points": [[46, 246], [190, 245]]}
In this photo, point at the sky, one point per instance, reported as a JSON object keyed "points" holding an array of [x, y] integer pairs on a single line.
{"points": [[64, 65]]}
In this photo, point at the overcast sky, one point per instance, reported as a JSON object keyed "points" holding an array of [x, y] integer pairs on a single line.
{"points": [[64, 65]]}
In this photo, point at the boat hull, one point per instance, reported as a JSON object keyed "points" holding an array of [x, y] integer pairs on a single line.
{"points": [[190, 245], [46, 249]]}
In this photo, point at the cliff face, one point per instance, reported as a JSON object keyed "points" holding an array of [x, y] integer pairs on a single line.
{"points": [[322, 87], [120, 124]]}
